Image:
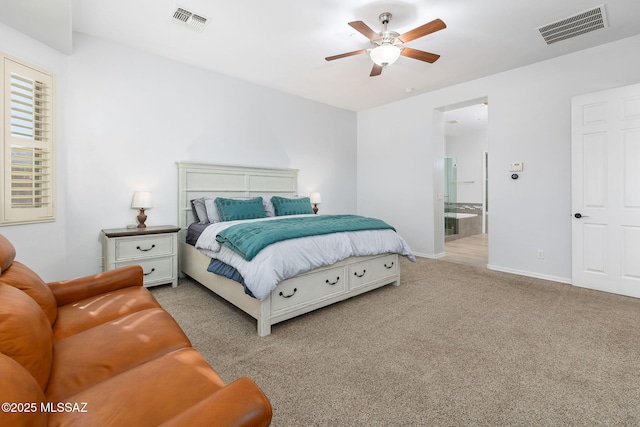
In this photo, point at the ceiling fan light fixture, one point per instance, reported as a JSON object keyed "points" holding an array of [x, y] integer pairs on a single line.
{"points": [[385, 54], [387, 46]]}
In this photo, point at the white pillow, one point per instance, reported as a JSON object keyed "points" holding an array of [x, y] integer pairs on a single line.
{"points": [[212, 210], [269, 210]]}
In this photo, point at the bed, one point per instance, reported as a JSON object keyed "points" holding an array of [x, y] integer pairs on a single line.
{"points": [[306, 291]]}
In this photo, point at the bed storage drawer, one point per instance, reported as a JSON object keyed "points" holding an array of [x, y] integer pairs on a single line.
{"points": [[372, 270], [308, 288]]}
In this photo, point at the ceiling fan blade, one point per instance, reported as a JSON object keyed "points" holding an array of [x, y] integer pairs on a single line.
{"points": [[344, 55], [376, 70], [364, 29], [420, 55], [423, 30]]}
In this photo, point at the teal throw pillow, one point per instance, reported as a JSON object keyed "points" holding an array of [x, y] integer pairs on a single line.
{"points": [[286, 206], [234, 209]]}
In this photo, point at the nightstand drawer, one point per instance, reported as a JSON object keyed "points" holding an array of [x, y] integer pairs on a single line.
{"points": [[155, 270], [148, 246], [154, 248]]}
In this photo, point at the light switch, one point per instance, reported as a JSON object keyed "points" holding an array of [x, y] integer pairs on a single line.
{"points": [[515, 167]]}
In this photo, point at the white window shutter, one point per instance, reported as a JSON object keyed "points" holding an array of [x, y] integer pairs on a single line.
{"points": [[28, 144]]}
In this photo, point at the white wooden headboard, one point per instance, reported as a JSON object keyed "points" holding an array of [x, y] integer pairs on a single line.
{"points": [[201, 179]]}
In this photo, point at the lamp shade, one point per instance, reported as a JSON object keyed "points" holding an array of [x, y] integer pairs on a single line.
{"points": [[385, 54], [141, 200], [315, 198]]}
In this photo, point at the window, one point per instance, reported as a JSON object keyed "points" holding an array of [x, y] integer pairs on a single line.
{"points": [[27, 121]]}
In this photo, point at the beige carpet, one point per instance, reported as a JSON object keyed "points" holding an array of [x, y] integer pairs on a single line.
{"points": [[452, 345]]}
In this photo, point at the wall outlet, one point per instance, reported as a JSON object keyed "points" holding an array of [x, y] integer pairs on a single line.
{"points": [[540, 254]]}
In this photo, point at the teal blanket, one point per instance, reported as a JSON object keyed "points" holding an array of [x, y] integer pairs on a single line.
{"points": [[250, 238]]}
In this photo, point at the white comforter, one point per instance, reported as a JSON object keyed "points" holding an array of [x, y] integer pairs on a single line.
{"points": [[289, 258]]}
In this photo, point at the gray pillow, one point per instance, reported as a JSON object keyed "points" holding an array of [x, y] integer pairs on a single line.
{"points": [[199, 210]]}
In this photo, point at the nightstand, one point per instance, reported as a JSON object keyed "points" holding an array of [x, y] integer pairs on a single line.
{"points": [[154, 248]]}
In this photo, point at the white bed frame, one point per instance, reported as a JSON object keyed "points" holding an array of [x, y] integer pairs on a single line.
{"points": [[293, 297]]}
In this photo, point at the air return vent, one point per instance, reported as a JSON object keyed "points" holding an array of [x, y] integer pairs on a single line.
{"points": [[189, 19], [573, 26]]}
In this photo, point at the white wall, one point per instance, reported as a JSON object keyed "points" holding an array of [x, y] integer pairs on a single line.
{"points": [[128, 116], [468, 149], [132, 115], [529, 122]]}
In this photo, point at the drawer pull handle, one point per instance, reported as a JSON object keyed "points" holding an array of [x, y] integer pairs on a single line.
{"points": [[388, 267], [333, 283], [146, 274], [355, 273], [289, 296], [145, 250]]}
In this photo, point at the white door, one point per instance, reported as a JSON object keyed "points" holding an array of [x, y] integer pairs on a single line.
{"points": [[606, 190]]}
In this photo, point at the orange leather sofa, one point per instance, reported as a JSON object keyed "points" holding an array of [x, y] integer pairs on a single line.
{"points": [[100, 351]]}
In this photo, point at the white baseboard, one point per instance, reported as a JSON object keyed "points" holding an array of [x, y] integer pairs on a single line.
{"points": [[436, 256], [566, 280], [530, 274]]}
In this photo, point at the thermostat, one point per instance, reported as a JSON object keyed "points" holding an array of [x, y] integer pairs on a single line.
{"points": [[515, 167]]}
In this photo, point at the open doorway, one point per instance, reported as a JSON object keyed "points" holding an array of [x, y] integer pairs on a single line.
{"points": [[466, 183]]}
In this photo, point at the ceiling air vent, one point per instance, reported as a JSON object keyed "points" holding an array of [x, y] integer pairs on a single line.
{"points": [[573, 26], [189, 19]]}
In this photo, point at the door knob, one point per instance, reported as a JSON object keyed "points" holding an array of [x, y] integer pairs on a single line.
{"points": [[579, 215]]}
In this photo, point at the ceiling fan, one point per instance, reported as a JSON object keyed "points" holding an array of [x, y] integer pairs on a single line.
{"points": [[389, 45]]}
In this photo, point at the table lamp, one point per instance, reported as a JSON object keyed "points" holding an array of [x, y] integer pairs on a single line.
{"points": [[315, 199], [141, 201]]}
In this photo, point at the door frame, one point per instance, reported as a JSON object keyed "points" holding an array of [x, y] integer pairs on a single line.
{"points": [[439, 141]]}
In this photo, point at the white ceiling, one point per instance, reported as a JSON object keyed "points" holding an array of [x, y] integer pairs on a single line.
{"points": [[468, 120], [282, 43]]}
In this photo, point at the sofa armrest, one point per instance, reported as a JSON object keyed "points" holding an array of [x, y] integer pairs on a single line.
{"points": [[239, 403], [73, 290]]}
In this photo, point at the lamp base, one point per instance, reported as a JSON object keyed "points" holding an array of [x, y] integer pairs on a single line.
{"points": [[142, 217], [315, 208]]}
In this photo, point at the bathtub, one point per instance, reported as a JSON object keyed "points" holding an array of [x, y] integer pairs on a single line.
{"points": [[458, 215], [459, 224]]}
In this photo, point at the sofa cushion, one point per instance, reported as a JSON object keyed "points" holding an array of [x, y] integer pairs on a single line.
{"points": [[115, 347], [238, 403], [22, 277], [94, 311], [147, 394], [25, 333], [7, 253], [19, 387], [71, 291]]}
